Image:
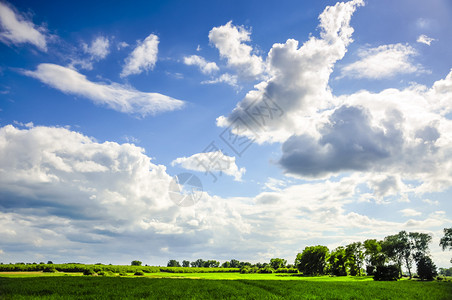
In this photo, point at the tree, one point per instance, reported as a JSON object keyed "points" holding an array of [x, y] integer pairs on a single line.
{"points": [[394, 247], [426, 269], [337, 262], [355, 257], [173, 263], [277, 263], [373, 255], [50, 262], [312, 261], [226, 264], [446, 240], [235, 263], [199, 263], [136, 263], [185, 264]]}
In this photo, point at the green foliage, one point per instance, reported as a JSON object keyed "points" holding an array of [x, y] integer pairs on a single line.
{"points": [[426, 269], [266, 270], [446, 240], [312, 261], [139, 273], [234, 263], [197, 270], [89, 272], [387, 273], [337, 262], [185, 264], [445, 272], [277, 263], [173, 263], [136, 263], [49, 269], [226, 264]]}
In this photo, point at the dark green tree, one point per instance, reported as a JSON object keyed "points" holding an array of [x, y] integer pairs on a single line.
{"points": [[337, 262], [173, 263], [136, 263], [185, 264], [312, 261], [199, 263], [426, 269], [226, 264], [277, 263], [235, 263], [373, 255]]}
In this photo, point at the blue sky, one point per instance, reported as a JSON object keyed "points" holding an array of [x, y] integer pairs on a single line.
{"points": [[102, 105]]}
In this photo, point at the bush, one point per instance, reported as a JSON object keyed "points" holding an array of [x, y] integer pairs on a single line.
{"points": [[49, 269], [245, 270], [105, 273], [282, 270], [139, 273], [386, 273], [292, 270], [267, 270], [370, 270], [89, 272], [122, 274]]}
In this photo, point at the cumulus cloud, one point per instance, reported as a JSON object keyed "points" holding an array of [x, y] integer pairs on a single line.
{"points": [[17, 29], [99, 48], [230, 42], [423, 39], [204, 66], [121, 98], [143, 57], [298, 81], [211, 162], [383, 62]]}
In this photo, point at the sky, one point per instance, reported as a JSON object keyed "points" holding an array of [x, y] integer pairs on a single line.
{"points": [[221, 129]]}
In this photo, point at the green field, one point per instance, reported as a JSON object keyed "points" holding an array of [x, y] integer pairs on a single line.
{"points": [[213, 286]]}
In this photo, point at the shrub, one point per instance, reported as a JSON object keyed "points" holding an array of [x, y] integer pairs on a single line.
{"points": [[89, 272], [292, 270], [122, 274], [282, 270], [426, 269], [386, 273], [139, 273], [49, 269], [266, 270]]}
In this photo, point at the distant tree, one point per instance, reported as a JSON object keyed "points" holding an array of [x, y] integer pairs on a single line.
{"points": [[394, 247], [244, 263], [312, 261], [445, 272], [50, 262], [235, 263], [185, 264], [213, 263], [173, 263], [426, 269], [387, 273], [337, 262], [136, 263], [226, 264], [277, 263], [199, 263]]}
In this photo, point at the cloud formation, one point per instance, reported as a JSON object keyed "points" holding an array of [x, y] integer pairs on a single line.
{"points": [[17, 29], [119, 97], [142, 58], [204, 66], [99, 48], [382, 62], [423, 39], [211, 162], [230, 42]]}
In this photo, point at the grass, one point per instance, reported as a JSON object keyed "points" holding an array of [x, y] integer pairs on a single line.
{"points": [[215, 286]]}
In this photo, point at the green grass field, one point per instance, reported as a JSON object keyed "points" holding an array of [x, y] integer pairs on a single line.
{"points": [[213, 286]]}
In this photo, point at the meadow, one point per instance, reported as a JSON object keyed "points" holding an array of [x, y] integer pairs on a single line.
{"points": [[160, 285]]}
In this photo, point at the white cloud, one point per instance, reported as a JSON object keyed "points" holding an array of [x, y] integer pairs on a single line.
{"points": [[121, 45], [143, 57], [211, 162], [425, 39], [409, 212], [298, 81], [383, 62], [430, 202], [230, 42], [115, 96], [99, 48], [223, 78], [204, 66], [17, 29]]}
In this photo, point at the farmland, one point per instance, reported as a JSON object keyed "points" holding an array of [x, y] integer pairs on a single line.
{"points": [[163, 285]]}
